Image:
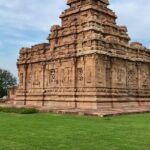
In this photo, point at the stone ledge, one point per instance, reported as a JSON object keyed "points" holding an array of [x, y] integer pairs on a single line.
{"points": [[88, 112], [99, 113]]}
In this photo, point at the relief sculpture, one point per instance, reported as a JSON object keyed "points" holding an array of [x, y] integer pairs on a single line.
{"points": [[80, 74]]}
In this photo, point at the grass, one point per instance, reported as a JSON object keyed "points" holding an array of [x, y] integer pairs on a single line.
{"points": [[18, 110], [43, 131]]}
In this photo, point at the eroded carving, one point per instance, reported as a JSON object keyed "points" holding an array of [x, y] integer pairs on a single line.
{"points": [[52, 76], [80, 74]]}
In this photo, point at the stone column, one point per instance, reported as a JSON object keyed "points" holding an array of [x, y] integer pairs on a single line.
{"points": [[25, 83], [74, 73], [109, 84], [138, 80], [43, 81]]}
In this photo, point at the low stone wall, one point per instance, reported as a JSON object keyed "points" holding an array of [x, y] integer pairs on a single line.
{"points": [[2, 100], [11, 94]]}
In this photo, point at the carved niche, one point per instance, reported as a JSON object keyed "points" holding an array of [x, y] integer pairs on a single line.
{"points": [[80, 74], [52, 76], [88, 74], [36, 78], [46, 77], [66, 75], [144, 77], [132, 76], [29, 76], [120, 75], [100, 74], [101, 71]]}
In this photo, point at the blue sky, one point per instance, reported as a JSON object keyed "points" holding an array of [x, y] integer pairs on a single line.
{"points": [[27, 22]]}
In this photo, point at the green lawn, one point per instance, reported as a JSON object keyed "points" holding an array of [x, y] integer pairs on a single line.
{"points": [[45, 131]]}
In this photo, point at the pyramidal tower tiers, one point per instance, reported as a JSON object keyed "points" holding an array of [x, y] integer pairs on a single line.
{"points": [[87, 63]]}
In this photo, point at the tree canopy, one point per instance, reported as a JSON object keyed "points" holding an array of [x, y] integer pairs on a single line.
{"points": [[6, 79]]}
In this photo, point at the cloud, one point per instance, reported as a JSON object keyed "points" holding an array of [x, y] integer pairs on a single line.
{"points": [[10, 64], [30, 13], [135, 15], [22, 43]]}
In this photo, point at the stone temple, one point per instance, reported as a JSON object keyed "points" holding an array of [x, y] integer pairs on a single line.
{"points": [[88, 63]]}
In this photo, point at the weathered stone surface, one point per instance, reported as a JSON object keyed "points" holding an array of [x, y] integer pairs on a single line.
{"points": [[87, 63]]}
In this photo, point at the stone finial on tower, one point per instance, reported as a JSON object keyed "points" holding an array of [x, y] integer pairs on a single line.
{"points": [[69, 2], [105, 1]]}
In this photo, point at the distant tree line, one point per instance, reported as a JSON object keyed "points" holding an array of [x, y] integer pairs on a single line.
{"points": [[6, 79]]}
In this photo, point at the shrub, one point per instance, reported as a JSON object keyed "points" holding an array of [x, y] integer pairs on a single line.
{"points": [[6, 80], [18, 110]]}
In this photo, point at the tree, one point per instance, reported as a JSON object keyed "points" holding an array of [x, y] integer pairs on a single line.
{"points": [[6, 80]]}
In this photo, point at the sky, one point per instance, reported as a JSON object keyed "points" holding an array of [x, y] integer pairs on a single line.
{"points": [[27, 22]]}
